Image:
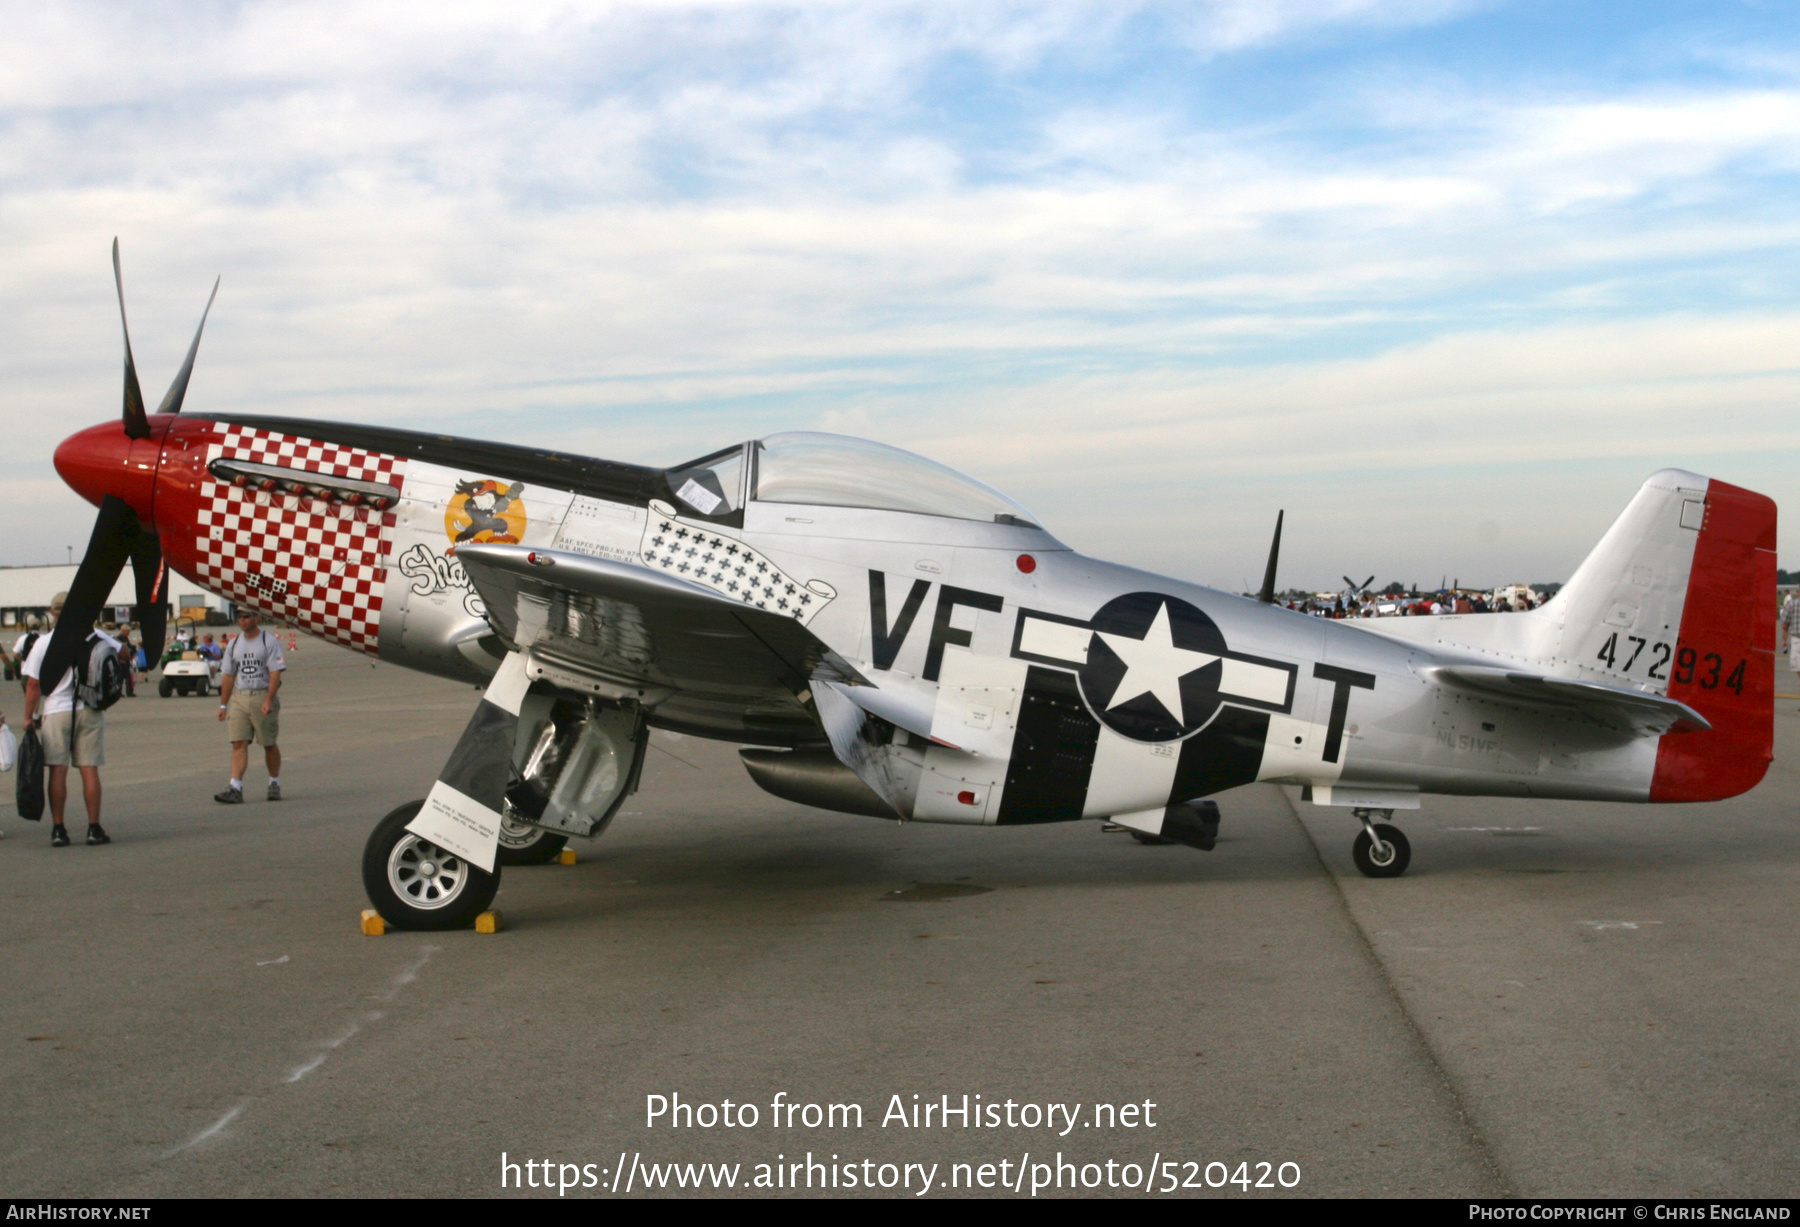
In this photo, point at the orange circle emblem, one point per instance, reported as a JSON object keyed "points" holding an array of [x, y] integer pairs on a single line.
{"points": [[486, 511]]}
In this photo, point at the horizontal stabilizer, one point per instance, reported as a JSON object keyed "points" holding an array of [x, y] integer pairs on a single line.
{"points": [[1630, 711]]}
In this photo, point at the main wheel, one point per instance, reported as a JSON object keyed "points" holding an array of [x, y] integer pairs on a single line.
{"points": [[1399, 853], [524, 844], [415, 884]]}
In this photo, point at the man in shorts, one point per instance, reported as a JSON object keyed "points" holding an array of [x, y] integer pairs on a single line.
{"points": [[72, 734], [249, 684]]}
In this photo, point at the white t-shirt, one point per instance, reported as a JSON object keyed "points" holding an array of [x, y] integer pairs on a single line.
{"points": [[251, 661], [63, 697]]}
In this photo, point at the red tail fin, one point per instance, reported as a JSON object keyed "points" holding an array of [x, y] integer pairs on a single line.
{"points": [[1724, 664]]}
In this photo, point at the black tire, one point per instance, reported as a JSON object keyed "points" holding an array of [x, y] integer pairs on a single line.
{"points": [[1363, 853], [200, 688], [165, 688], [410, 899], [184, 688], [527, 845], [1150, 839]]}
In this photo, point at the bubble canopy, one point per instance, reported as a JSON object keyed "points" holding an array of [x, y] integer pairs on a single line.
{"points": [[826, 470]]}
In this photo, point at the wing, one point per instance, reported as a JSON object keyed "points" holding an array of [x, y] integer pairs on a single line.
{"points": [[705, 663], [1633, 712]]}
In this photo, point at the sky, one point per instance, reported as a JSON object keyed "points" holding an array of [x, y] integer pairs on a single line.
{"points": [[1445, 280]]}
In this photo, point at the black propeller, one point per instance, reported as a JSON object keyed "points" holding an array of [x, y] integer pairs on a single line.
{"points": [[137, 425], [1267, 595], [1356, 587], [117, 533], [116, 537]]}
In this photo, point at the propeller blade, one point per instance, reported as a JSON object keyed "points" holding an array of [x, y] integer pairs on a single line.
{"points": [[1351, 583], [178, 390], [137, 425], [115, 532], [1366, 583], [1267, 595], [152, 611]]}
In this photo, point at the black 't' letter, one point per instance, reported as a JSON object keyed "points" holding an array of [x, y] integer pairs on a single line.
{"points": [[1343, 679]]}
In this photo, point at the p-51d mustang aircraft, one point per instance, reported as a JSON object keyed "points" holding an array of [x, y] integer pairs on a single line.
{"points": [[896, 639]]}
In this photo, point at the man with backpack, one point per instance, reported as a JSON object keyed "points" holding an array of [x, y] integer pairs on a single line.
{"points": [[73, 723]]}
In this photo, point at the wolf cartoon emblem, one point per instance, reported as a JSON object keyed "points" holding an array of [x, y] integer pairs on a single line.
{"points": [[486, 511]]}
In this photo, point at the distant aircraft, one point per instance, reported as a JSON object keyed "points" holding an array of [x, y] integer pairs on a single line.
{"points": [[886, 636]]}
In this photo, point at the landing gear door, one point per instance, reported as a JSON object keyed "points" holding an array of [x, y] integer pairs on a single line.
{"points": [[602, 770], [575, 763]]}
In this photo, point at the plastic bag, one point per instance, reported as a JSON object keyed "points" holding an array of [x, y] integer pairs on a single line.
{"points": [[30, 793], [9, 748]]}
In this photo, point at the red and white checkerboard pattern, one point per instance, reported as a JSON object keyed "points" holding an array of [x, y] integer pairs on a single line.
{"points": [[314, 562]]}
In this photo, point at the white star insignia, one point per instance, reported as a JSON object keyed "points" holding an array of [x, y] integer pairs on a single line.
{"points": [[1154, 665]]}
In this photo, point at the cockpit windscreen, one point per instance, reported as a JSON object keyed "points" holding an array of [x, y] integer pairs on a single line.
{"points": [[828, 470]]}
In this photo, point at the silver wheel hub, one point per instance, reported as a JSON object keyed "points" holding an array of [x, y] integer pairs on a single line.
{"points": [[424, 875], [515, 834]]}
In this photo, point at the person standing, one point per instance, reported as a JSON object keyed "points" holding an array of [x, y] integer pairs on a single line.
{"points": [[72, 734], [22, 646], [249, 704], [128, 662], [1790, 631]]}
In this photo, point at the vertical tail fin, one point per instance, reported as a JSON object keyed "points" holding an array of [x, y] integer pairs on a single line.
{"points": [[1679, 599]]}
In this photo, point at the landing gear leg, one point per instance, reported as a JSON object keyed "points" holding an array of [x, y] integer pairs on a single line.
{"points": [[1381, 851]]}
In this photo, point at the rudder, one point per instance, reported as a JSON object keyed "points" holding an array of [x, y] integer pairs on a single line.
{"points": [[1724, 664]]}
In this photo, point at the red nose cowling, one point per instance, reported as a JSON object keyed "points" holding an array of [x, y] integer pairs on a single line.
{"points": [[103, 460]]}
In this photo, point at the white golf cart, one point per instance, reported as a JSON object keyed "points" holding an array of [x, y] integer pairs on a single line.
{"points": [[185, 670]]}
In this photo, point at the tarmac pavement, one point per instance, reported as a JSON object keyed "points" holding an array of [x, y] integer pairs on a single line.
{"points": [[1558, 999]]}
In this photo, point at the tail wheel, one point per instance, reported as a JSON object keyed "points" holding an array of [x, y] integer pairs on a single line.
{"points": [[523, 844], [415, 884], [1389, 861]]}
